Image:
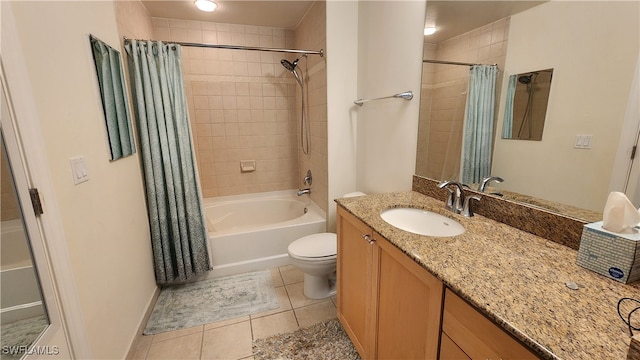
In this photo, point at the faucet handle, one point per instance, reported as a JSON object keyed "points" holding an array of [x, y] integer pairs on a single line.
{"points": [[466, 210]]}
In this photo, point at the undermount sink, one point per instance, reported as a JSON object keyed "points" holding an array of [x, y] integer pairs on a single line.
{"points": [[422, 222]]}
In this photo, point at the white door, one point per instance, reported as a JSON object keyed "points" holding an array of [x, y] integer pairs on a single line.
{"points": [[48, 339]]}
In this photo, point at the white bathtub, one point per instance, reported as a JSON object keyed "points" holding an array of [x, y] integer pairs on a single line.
{"points": [[252, 232], [19, 288]]}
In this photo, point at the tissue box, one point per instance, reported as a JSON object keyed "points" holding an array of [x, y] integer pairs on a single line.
{"points": [[613, 255]]}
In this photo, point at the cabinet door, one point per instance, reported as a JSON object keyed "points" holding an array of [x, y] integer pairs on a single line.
{"points": [[355, 281], [450, 351], [476, 335], [409, 306]]}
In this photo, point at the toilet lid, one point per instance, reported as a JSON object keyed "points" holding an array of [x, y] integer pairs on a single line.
{"points": [[315, 245]]}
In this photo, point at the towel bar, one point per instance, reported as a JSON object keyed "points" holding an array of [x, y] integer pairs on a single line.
{"points": [[407, 95]]}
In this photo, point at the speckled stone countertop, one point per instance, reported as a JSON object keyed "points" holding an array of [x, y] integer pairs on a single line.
{"points": [[515, 278]]}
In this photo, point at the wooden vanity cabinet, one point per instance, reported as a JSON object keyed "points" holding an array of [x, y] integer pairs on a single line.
{"points": [[475, 335], [356, 276], [387, 303]]}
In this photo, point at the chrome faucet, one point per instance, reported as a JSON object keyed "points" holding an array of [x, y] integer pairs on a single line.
{"points": [[466, 208], [455, 201], [304, 191], [487, 180]]}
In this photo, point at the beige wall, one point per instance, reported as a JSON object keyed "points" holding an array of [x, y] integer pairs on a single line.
{"points": [[10, 209], [444, 89], [389, 59], [104, 220], [311, 35], [593, 69], [241, 105]]}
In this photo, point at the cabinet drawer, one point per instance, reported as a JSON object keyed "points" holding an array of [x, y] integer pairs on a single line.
{"points": [[450, 350], [476, 335]]}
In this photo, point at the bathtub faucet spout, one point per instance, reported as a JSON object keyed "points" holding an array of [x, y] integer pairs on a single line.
{"points": [[304, 191]]}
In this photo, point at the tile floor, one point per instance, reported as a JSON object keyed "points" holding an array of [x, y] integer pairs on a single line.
{"points": [[232, 339]]}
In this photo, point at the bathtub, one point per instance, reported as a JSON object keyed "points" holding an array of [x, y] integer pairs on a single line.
{"points": [[252, 232], [20, 292]]}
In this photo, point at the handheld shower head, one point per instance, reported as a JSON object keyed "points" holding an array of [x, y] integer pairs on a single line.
{"points": [[525, 79], [291, 66]]}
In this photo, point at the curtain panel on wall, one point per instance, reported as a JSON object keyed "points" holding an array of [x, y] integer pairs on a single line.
{"points": [[478, 125], [178, 232], [115, 103]]}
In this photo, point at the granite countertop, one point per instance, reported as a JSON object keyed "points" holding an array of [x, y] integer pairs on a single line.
{"points": [[515, 278]]}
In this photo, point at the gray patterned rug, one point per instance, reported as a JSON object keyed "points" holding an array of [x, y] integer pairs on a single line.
{"points": [[208, 301], [21, 333], [326, 340]]}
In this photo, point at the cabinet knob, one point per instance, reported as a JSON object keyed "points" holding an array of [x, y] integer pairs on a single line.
{"points": [[369, 239]]}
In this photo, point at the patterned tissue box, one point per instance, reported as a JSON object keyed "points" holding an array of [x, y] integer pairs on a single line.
{"points": [[616, 256]]}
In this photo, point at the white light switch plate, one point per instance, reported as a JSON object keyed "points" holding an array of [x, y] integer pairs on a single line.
{"points": [[583, 142], [79, 170]]}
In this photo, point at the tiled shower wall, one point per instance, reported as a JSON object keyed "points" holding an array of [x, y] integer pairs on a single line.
{"points": [[241, 104], [445, 87], [311, 35]]}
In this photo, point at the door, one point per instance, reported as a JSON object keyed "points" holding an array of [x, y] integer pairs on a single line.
{"points": [[46, 335]]}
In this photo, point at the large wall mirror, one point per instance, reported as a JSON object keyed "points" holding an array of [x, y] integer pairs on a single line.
{"points": [[592, 77]]}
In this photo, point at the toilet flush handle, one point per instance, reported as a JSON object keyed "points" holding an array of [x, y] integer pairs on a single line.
{"points": [[369, 239]]}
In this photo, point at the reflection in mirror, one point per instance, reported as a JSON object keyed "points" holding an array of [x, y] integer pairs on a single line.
{"points": [[526, 105], [592, 83], [23, 316]]}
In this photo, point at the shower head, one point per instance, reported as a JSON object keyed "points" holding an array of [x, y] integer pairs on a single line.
{"points": [[291, 66], [525, 79]]}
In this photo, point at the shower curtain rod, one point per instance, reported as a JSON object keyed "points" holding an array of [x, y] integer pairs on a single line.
{"points": [[454, 63], [238, 47]]}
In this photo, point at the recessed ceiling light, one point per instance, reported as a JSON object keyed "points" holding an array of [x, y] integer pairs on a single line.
{"points": [[206, 5], [429, 30]]}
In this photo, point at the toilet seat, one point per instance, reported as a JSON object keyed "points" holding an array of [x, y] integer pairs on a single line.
{"points": [[314, 247]]}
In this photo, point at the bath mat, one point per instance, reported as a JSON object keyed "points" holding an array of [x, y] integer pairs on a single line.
{"points": [[208, 301], [325, 340]]}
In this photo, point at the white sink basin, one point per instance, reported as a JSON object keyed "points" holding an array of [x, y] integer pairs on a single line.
{"points": [[422, 222]]}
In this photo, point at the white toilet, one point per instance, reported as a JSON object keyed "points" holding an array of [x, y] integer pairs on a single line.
{"points": [[315, 255]]}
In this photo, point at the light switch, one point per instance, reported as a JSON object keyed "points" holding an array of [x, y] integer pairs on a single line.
{"points": [[583, 142], [79, 170]]}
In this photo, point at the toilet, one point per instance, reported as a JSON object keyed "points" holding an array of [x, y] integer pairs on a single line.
{"points": [[315, 255]]}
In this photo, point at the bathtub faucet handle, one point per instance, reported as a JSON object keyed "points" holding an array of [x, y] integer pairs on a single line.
{"points": [[308, 180]]}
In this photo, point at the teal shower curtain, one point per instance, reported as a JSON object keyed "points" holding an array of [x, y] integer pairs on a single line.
{"points": [[478, 126], [178, 233], [507, 125]]}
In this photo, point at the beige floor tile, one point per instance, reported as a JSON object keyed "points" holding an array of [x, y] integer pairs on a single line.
{"points": [[183, 347], [177, 333], [297, 298], [291, 275], [274, 324], [276, 277], [315, 313], [283, 302], [222, 323], [228, 342]]}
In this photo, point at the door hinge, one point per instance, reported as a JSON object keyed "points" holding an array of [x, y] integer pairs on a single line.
{"points": [[35, 201], [633, 151]]}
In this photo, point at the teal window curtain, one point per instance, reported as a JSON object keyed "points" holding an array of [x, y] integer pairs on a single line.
{"points": [[507, 125], [174, 201], [478, 126], [114, 98]]}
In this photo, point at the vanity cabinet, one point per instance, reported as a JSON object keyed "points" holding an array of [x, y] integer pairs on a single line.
{"points": [[467, 334], [387, 303]]}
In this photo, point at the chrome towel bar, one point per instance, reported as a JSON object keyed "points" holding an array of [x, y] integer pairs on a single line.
{"points": [[407, 95]]}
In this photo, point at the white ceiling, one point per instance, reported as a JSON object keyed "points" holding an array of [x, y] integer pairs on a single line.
{"points": [[452, 17], [284, 14]]}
